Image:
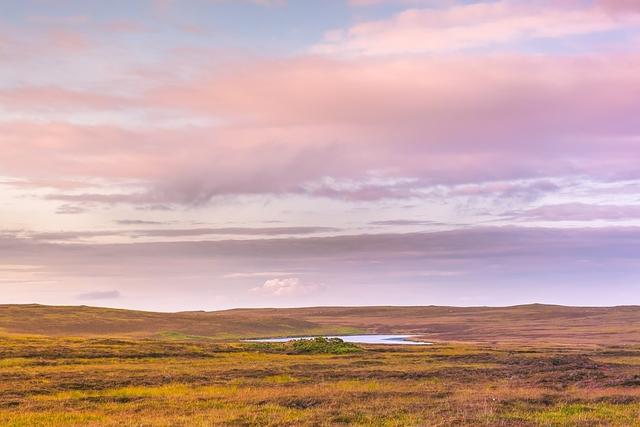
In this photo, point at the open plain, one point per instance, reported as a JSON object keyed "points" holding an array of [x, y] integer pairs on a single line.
{"points": [[82, 366]]}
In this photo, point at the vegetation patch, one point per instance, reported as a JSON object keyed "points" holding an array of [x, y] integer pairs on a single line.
{"points": [[322, 345]]}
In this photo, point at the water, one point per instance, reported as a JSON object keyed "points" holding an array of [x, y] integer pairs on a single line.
{"points": [[356, 339]]}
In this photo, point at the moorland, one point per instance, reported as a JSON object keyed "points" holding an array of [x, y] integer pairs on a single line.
{"points": [[514, 366]]}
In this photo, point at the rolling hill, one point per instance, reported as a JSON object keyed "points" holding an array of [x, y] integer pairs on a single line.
{"points": [[525, 323]]}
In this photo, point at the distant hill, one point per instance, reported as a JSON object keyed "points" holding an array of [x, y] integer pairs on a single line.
{"points": [[524, 323], [94, 321]]}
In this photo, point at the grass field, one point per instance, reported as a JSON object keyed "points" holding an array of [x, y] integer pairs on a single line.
{"points": [[178, 379], [57, 381]]}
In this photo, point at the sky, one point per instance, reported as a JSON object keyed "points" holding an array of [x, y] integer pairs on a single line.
{"points": [[210, 154]]}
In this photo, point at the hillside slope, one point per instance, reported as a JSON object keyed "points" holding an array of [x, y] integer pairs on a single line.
{"points": [[525, 323], [533, 322], [94, 321]]}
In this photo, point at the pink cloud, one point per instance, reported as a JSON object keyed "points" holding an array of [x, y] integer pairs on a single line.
{"points": [[620, 5], [474, 25], [71, 41], [125, 26], [56, 98], [164, 6], [403, 2], [358, 128], [285, 125], [68, 20], [617, 5], [53, 184]]}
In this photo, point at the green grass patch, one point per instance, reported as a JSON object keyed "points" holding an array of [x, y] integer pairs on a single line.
{"points": [[322, 345]]}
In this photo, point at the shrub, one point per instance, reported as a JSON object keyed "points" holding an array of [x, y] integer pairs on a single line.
{"points": [[323, 345]]}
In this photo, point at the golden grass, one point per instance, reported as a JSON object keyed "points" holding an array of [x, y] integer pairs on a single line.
{"points": [[126, 382]]}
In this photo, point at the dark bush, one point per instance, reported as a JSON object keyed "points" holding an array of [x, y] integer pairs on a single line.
{"points": [[323, 345]]}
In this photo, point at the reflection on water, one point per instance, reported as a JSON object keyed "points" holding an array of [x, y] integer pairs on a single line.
{"points": [[357, 339]]}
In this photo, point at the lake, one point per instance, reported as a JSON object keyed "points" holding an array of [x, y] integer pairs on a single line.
{"points": [[356, 339]]}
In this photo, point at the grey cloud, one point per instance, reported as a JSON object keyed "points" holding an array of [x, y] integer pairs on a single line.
{"points": [[132, 198], [71, 235], [527, 191], [185, 232], [405, 222], [137, 222], [70, 209], [247, 231], [579, 212], [479, 243], [91, 296], [542, 263]]}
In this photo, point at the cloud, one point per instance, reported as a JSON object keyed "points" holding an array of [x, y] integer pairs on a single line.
{"points": [[356, 128], [67, 209], [428, 3], [364, 191], [527, 191], [481, 244], [304, 119], [580, 212], [405, 222], [181, 232], [137, 222], [249, 231], [620, 5], [286, 287], [59, 20], [617, 5], [70, 235], [509, 263], [443, 105], [39, 184], [99, 295], [255, 274], [73, 42], [473, 25], [50, 98], [163, 6]]}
